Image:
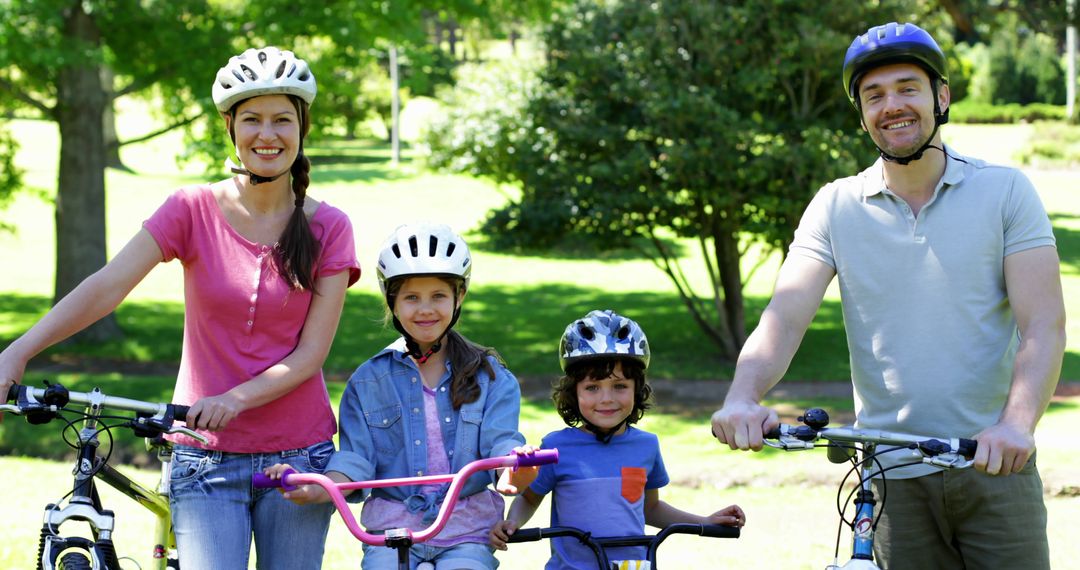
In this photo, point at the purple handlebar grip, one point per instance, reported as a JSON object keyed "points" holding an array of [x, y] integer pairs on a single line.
{"points": [[541, 457], [263, 481]]}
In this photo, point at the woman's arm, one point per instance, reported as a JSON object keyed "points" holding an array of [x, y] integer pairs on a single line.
{"points": [[303, 362], [91, 300]]}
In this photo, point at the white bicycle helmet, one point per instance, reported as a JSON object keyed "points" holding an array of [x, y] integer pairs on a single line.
{"points": [[266, 71], [603, 334], [424, 248]]}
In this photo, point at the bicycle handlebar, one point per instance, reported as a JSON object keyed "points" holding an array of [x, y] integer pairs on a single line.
{"points": [[599, 545], [942, 452], [54, 397], [291, 479]]}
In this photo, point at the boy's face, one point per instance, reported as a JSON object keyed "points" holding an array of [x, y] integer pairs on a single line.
{"points": [[606, 402]]}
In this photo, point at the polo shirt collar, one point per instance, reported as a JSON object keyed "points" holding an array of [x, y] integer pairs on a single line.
{"points": [[874, 177]]}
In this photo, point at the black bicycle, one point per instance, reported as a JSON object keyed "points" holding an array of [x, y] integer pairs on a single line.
{"points": [[83, 428], [599, 545]]}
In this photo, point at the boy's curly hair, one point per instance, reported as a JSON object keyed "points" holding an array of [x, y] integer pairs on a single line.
{"points": [[564, 393]]}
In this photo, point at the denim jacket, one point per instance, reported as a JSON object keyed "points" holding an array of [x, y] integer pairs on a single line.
{"points": [[383, 436]]}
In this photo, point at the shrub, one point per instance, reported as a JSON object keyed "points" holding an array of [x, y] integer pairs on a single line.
{"points": [[968, 111], [1052, 145]]}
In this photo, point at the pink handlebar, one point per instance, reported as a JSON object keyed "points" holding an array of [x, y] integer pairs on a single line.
{"points": [[290, 480]]}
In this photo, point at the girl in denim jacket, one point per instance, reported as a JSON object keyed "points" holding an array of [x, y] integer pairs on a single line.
{"points": [[428, 404]]}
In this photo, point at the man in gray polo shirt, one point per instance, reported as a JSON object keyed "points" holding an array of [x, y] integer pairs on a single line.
{"points": [[953, 308]]}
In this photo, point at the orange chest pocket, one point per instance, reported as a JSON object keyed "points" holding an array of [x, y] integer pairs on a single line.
{"points": [[633, 483]]}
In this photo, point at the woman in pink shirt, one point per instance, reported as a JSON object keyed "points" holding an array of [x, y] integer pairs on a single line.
{"points": [[265, 273]]}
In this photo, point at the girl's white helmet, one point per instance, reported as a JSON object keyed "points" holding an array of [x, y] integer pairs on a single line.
{"points": [[424, 249], [266, 71]]}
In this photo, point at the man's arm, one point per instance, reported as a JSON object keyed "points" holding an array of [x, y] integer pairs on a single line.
{"points": [[1033, 284], [767, 354]]}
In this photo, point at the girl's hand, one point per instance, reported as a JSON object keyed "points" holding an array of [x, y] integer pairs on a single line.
{"points": [[302, 495], [500, 533], [215, 412], [513, 481], [729, 516]]}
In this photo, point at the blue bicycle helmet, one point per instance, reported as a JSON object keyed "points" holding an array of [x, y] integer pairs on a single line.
{"points": [[896, 43], [603, 334]]}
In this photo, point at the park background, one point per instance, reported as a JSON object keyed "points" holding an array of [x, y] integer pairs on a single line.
{"points": [[477, 82]]}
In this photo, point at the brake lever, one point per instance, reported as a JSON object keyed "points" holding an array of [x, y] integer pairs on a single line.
{"points": [[188, 432], [949, 461]]}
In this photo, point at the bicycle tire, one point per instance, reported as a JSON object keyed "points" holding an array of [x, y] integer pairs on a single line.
{"points": [[75, 561]]}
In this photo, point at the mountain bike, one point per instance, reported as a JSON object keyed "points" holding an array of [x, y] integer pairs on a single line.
{"points": [[402, 539], [860, 447], [82, 428], [599, 545]]}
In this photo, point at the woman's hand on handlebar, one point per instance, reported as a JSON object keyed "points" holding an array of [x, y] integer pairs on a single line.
{"points": [[500, 533], [215, 412], [740, 424], [728, 516], [513, 481]]}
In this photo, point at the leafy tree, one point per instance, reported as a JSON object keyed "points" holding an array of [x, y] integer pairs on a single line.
{"points": [[713, 121]]}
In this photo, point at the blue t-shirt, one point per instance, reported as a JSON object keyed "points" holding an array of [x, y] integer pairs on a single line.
{"points": [[599, 488]]}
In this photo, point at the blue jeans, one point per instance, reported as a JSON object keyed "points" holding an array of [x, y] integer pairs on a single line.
{"points": [[216, 511], [465, 556]]}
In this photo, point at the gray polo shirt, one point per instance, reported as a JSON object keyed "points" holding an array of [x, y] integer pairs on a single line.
{"points": [[930, 331]]}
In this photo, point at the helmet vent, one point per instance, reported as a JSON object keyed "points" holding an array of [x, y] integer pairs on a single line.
{"points": [[262, 57], [586, 331], [249, 73], [414, 248], [433, 246], [450, 247], [624, 331], [280, 69], [396, 250]]}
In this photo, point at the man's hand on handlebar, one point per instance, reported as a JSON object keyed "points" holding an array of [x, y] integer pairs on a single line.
{"points": [[1003, 449], [740, 424]]}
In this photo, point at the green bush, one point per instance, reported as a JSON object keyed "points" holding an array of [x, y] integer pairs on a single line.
{"points": [[968, 111], [1052, 145]]}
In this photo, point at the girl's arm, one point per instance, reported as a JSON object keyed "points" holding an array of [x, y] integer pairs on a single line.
{"points": [[521, 510], [303, 362], [91, 300], [660, 514]]}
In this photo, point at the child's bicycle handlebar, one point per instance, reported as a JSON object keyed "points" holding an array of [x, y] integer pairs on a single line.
{"points": [[599, 545], [396, 537]]}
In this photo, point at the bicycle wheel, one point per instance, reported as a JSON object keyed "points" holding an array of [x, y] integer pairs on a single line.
{"points": [[75, 561]]}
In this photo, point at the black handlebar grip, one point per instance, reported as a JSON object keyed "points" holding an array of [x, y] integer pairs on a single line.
{"points": [[526, 535], [968, 447], [180, 412], [774, 433], [13, 392], [721, 531]]}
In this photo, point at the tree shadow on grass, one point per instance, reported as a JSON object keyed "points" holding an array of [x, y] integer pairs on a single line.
{"points": [[362, 160]]}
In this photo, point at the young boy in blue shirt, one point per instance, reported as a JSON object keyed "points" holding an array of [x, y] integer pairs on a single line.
{"points": [[609, 473]]}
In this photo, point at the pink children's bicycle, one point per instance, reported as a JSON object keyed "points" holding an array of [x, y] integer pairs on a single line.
{"points": [[402, 539]]}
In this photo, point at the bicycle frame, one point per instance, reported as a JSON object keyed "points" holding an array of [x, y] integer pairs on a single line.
{"points": [[599, 545], [403, 538], [84, 504], [948, 453]]}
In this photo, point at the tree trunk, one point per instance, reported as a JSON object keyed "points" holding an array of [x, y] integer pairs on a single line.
{"points": [[727, 264], [112, 141], [80, 198]]}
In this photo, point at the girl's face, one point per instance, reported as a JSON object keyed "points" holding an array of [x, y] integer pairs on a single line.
{"points": [[606, 402], [425, 305], [267, 131]]}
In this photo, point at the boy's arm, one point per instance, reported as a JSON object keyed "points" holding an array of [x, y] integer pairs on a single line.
{"points": [[521, 510], [660, 514]]}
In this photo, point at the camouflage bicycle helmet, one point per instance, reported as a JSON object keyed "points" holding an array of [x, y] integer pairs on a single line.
{"points": [[603, 334]]}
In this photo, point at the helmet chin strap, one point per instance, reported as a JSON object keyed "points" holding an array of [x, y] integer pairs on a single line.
{"points": [[602, 435], [255, 178], [904, 160]]}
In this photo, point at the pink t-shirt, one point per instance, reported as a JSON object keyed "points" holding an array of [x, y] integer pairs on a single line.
{"points": [[241, 317]]}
